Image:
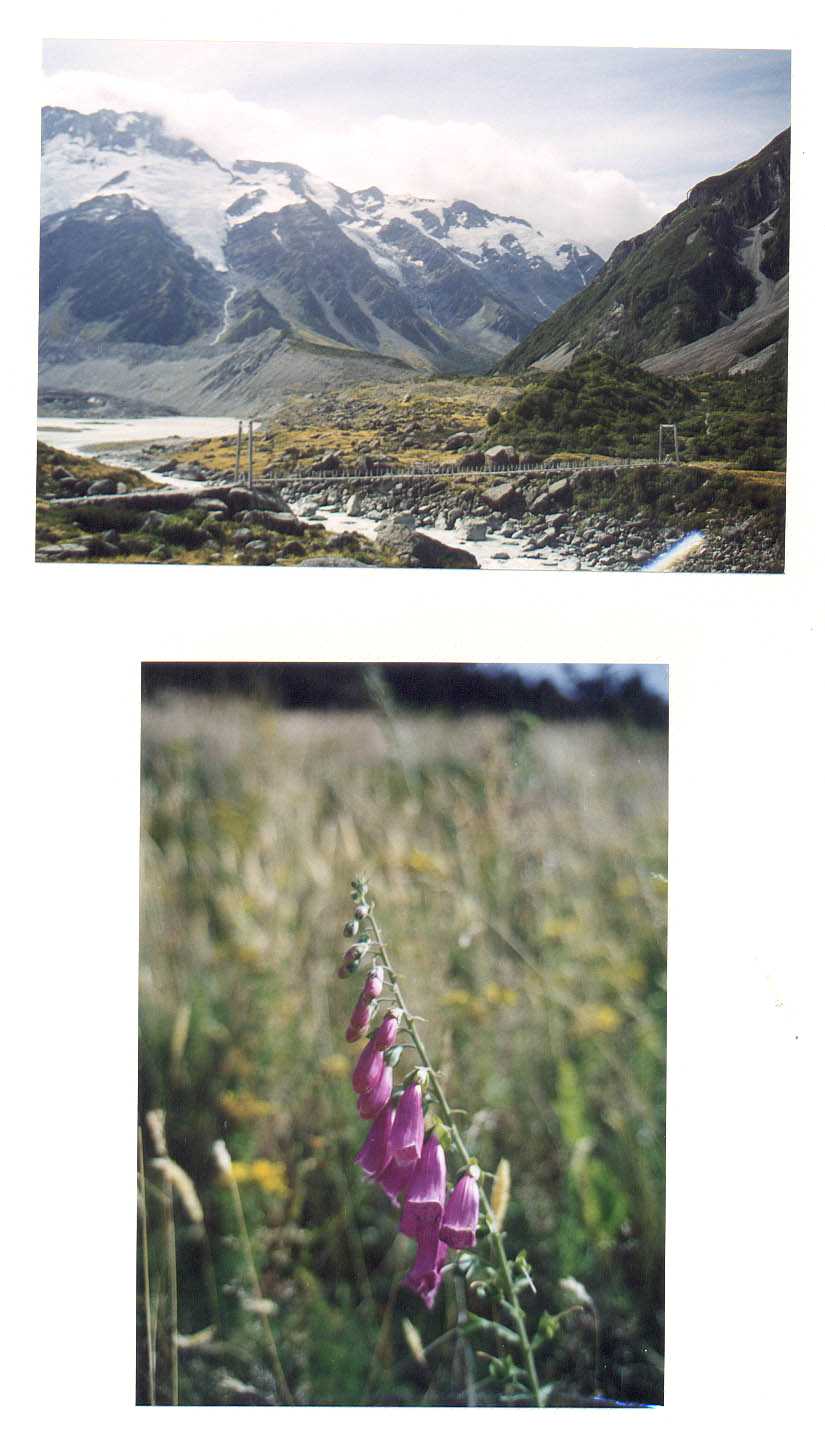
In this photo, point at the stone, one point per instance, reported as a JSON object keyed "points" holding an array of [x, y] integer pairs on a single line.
{"points": [[504, 497], [433, 554], [286, 524], [355, 503], [560, 490], [240, 499], [500, 455], [458, 441], [473, 460], [242, 537], [106, 487], [475, 530]]}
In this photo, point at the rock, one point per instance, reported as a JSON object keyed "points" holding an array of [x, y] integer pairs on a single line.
{"points": [[287, 524], [474, 460], [106, 487], [504, 497], [206, 502], [560, 490], [153, 521], [458, 441], [396, 536], [475, 530], [435, 555], [242, 537], [355, 503], [329, 464], [500, 455], [240, 499]]}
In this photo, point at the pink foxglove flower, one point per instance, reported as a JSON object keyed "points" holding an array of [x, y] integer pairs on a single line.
{"points": [[424, 1203], [458, 1225], [387, 1031], [407, 1136], [368, 1067], [371, 1102], [395, 1180], [424, 1278], [374, 983], [359, 1020], [372, 1159]]}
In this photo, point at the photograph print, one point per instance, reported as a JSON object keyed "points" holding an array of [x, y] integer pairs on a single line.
{"points": [[414, 306], [402, 1035]]}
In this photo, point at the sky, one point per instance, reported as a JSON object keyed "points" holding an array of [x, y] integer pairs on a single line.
{"points": [[590, 144]]}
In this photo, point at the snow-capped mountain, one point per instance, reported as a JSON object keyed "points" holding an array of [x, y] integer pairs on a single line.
{"points": [[148, 240]]}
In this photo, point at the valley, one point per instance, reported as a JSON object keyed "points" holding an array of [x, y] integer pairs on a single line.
{"points": [[434, 384]]}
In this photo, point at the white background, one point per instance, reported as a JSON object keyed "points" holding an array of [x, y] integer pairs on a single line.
{"points": [[745, 958]]}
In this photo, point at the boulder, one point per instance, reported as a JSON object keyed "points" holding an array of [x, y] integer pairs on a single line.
{"points": [[329, 561], [433, 554], [474, 460], [106, 487], [500, 455], [355, 503], [287, 524], [475, 530], [458, 441], [504, 497], [560, 490]]}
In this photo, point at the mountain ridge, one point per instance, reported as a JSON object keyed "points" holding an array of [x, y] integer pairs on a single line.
{"points": [[434, 284], [695, 291]]}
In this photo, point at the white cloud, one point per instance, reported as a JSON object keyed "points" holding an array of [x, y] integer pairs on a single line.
{"points": [[444, 159]]}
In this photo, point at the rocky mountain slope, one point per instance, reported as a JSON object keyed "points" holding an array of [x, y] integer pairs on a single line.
{"points": [[705, 289], [165, 273]]}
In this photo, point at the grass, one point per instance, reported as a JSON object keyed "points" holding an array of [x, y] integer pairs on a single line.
{"points": [[518, 869]]}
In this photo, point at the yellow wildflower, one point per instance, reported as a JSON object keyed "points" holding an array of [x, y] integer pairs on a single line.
{"points": [[335, 1065], [270, 1176], [591, 1020]]}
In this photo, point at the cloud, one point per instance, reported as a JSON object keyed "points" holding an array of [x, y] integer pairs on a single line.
{"points": [[399, 154]]}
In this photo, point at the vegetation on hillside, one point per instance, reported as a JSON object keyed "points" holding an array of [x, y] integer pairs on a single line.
{"points": [[521, 872], [600, 405], [684, 277]]}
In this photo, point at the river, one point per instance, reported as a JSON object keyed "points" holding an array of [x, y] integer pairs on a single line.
{"points": [[103, 437]]}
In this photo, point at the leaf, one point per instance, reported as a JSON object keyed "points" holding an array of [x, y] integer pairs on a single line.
{"points": [[500, 1195], [476, 1324]]}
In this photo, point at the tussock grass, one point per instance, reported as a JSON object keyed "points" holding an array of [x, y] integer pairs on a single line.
{"points": [[519, 869]]}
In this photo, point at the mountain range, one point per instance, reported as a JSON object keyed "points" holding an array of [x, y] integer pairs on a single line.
{"points": [[705, 290], [166, 275]]}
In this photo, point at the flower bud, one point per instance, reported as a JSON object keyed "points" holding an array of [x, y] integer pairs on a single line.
{"points": [[374, 983], [350, 928], [361, 911]]}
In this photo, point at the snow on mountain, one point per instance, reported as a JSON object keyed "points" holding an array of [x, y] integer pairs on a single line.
{"points": [[186, 188], [147, 239]]}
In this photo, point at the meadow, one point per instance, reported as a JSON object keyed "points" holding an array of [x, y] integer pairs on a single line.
{"points": [[518, 873]]}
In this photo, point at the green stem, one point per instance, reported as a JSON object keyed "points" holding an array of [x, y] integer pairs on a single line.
{"points": [[280, 1377], [449, 1121]]}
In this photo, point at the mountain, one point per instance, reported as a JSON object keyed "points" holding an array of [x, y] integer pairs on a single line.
{"points": [[706, 289], [164, 271]]}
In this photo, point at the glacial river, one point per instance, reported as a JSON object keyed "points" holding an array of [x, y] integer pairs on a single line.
{"points": [[101, 437]]}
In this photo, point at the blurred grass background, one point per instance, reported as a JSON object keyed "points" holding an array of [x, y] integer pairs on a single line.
{"points": [[518, 868]]}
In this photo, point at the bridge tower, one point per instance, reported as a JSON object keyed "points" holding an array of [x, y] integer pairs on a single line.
{"points": [[662, 428]]}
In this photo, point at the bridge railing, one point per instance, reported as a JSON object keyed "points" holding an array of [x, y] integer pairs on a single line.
{"points": [[429, 472]]}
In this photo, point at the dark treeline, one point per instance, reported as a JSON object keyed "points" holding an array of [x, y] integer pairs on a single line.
{"points": [[446, 687]]}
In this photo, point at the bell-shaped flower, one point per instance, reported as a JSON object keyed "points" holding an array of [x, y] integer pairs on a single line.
{"points": [[360, 1019], [387, 1031], [424, 1203], [374, 983], [424, 1278], [371, 1102], [458, 1225], [395, 1180], [368, 1067], [407, 1136], [372, 1159]]}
